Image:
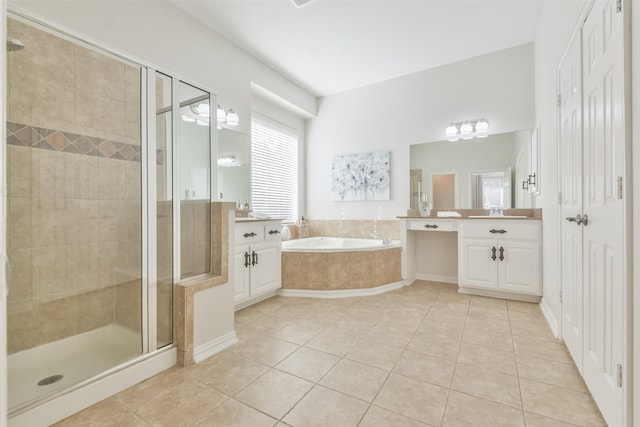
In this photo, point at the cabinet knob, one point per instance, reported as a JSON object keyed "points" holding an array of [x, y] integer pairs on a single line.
{"points": [[247, 235], [431, 226], [254, 258], [246, 259], [501, 257], [493, 253], [272, 232], [494, 231]]}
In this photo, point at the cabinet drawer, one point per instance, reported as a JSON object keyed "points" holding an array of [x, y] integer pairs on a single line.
{"points": [[249, 233], [272, 232], [431, 225], [505, 229]]}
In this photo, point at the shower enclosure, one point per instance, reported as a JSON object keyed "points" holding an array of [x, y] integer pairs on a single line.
{"points": [[98, 148]]}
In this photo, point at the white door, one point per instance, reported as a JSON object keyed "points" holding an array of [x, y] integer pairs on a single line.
{"points": [[604, 277], [570, 152], [519, 267], [478, 258], [266, 266]]}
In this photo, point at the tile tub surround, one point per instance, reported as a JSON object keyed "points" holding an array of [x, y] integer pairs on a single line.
{"points": [[313, 352], [340, 270]]}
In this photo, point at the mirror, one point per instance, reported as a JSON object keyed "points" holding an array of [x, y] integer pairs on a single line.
{"points": [[234, 166], [483, 172]]}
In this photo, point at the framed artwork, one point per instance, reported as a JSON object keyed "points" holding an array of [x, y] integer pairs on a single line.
{"points": [[362, 176]]}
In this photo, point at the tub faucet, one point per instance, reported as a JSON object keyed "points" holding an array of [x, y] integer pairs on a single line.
{"points": [[376, 235]]}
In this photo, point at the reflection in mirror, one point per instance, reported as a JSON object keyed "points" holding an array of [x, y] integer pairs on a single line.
{"points": [[234, 166], [464, 158], [491, 189]]}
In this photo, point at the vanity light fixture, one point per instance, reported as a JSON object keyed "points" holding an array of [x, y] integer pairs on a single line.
{"points": [[467, 130], [232, 118], [222, 116]]}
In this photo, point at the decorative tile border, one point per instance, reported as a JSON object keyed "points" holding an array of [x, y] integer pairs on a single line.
{"points": [[67, 142]]}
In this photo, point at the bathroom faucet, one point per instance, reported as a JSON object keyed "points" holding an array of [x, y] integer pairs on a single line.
{"points": [[376, 235]]}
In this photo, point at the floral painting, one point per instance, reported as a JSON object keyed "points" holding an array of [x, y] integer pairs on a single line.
{"points": [[362, 176]]}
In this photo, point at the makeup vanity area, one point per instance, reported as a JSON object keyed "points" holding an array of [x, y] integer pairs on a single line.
{"points": [[491, 244]]}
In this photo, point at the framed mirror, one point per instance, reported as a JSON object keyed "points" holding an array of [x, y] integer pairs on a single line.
{"points": [[471, 173]]}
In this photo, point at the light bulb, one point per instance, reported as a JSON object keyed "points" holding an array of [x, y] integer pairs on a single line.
{"points": [[232, 118], [482, 125], [222, 116], [451, 131], [203, 109], [466, 129]]}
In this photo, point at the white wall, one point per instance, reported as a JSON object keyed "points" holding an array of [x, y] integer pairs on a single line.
{"points": [[160, 34], [395, 114], [557, 22]]}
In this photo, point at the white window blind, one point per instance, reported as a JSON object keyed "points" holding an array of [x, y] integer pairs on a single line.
{"points": [[274, 168]]}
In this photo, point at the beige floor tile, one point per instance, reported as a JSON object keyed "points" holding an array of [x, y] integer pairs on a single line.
{"points": [[391, 336], [109, 412], [414, 399], [269, 324], [532, 329], [541, 349], [454, 298], [549, 372], [379, 417], [405, 319], [480, 325], [374, 353], [451, 306], [355, 379], [490, 385], [488, 302], [141, 393], [431, 369], [274, 393], [308, 363], [452, 331], [434, 345], [523, 307], [464, 411], [526, 316], [269, 351], [560, 404], [488, 312], [298, 332], [235, 414], [334, 341], [182, 405], [230, 375], [500, 341], [323, 407], [535, 420], [487, 358], [446, 315]]}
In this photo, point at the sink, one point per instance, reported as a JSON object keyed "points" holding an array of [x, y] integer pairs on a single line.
{"points": [[497, 216]]}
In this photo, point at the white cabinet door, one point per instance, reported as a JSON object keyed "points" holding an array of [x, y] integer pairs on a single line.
{"points": [[478, 268], [241, 275], [265, 268], [519, 267]]}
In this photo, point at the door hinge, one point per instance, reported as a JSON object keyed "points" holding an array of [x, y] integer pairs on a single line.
{"points": [[620, 188], [559, 100], [560, 296], [619, 6], [619, 375]]}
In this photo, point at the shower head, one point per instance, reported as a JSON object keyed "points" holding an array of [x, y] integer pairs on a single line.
{"points": [[14, 44]]}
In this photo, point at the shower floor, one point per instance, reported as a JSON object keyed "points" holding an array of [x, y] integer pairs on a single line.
{"points": [[76, 358]]}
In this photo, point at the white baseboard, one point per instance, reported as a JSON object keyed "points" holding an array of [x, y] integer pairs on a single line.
{"points": [[551, 318], [441, 279], [498, 294], [207, 350], [84, 396], [341, 293]]}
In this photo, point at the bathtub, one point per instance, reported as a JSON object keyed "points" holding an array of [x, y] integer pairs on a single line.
{"points": [[336, 244], [319, 266]]}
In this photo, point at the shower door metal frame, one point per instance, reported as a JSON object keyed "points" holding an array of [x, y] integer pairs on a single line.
{"points": [[3, 250]]}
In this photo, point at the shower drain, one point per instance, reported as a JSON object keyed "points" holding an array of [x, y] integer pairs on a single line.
{"points": [[50, 380]]}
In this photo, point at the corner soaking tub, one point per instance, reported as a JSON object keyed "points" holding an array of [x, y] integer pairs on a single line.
{"points": [[317, 265]]}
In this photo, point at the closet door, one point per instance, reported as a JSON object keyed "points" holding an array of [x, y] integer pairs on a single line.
{"points": [[570, 85], [604, 278]]}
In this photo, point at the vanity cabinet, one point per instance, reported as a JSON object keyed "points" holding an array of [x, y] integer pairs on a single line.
{"points": [[257, 260], [500, 258]]}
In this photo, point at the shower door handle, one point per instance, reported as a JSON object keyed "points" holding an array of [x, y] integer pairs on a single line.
{"points": [[246, 259], [254, 258]]}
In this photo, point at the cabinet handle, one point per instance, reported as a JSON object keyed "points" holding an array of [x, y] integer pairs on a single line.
{"points": [[431, 226], [254, 258], [493, 253], [252, 234], [272, 232], [494, 231], [246, 259], [501, 257]]}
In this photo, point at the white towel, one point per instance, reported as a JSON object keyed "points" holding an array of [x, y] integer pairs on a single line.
{"points": [[449, 214]]}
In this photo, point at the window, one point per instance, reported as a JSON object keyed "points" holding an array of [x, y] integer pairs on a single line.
{"points": [[274, 168]]}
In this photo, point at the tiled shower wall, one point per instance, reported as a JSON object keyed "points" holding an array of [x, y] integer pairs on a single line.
{"points": [[74, 212]]}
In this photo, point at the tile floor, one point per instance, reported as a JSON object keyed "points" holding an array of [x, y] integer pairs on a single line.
{"points": [[423, 355]]}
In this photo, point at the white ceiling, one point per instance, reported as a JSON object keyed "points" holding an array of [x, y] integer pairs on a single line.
{"points": [[330, 46]]}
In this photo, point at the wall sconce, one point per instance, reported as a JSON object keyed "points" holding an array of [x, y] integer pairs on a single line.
{"points": [[228, 117], [467, 130]]}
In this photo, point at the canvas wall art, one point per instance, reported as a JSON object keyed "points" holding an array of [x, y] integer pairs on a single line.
{"points": [[362, 176]]}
